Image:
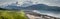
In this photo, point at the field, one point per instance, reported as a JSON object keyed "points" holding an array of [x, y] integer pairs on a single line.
{"points": [[5, 14]]}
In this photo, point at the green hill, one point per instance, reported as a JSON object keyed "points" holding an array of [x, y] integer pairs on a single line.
{"points": [[2, 9], [5, 14]]}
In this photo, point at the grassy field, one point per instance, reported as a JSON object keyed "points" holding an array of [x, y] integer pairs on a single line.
{"points": [[5, 14]]}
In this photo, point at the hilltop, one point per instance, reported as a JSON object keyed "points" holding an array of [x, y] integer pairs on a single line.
{"points": [[2, 9]]}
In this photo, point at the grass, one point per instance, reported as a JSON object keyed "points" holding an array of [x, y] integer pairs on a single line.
{"points": [[5, 14]]}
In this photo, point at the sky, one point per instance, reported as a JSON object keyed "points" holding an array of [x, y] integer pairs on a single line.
{"points": [[47, 2], [3, 2]]}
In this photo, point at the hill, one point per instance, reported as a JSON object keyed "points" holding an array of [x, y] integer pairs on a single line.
{"points": [[2, 9]]}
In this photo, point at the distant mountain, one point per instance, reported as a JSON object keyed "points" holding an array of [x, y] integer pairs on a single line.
{"points": [[11, 7], [43, 7], [33, 7]]}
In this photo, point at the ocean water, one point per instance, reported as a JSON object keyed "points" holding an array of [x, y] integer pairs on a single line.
{"points": [[50, 13]]}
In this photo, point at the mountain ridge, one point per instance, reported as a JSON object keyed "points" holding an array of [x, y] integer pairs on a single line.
{"points": [[34, 7]]}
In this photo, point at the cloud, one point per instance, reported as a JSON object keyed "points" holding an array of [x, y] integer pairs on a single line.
{"points": [[48, 2], [3, 2]]}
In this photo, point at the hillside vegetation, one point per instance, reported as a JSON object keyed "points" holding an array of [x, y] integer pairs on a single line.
{"points": [[5, 14]]}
